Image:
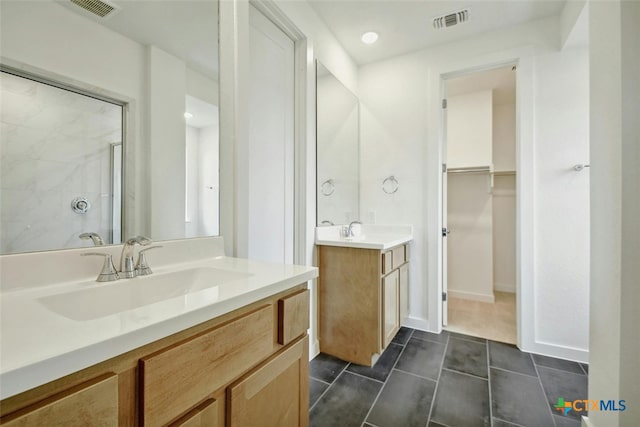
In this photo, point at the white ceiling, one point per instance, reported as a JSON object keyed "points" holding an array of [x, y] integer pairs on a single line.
{"points": [[405, 26]]}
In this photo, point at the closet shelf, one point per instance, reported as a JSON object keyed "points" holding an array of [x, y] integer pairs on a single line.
{"points": [[471, 169]]}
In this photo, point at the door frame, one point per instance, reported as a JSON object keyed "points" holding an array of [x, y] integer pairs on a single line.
{"points": [[525, 159], [444, 183], [234, 65]]}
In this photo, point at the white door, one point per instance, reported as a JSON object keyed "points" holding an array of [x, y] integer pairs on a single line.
{"points": [[271, 137], [445, 229]]}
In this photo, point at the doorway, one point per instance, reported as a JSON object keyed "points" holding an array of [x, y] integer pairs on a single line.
{"points": [[479, 205]]}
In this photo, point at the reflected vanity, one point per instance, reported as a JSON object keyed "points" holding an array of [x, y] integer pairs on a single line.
{"points": [[109, 124]]}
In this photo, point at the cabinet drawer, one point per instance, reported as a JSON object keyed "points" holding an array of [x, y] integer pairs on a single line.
{"points": [[399, 256], [177, 378], [387, 262], [205, 415], [94, 403], [293, 316]]}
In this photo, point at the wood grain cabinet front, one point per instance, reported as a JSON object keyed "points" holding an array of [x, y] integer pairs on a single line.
{"points": [[363, 297], [246, 367], [94, 403], [274, 394]]}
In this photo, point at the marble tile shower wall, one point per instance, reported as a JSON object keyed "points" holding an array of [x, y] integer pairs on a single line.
{"points": [[54, 147]]}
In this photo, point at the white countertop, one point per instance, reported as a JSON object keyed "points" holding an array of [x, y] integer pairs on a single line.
{"points": [[367, 236], [38, 345]]}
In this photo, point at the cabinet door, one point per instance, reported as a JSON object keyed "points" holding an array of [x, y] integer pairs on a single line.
{"points": [[94, 403], [274, 394], [205, 415], [404, 291], [390, 306]]}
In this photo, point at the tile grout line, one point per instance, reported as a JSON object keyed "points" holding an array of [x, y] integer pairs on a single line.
{"points": [[319, 380], [385, 381], [489, 384], [325, 392], [509, 422], [465, 374], [544, 394], [513, 372], [560, 370], [365, 377], [415, 375], [435, 390]]}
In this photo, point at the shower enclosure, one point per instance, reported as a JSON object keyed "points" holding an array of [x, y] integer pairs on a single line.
{"points": [[60, 165]]}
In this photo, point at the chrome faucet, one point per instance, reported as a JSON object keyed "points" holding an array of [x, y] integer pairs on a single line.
{"points": [[95, 237], [350, 228], [127, 267]]}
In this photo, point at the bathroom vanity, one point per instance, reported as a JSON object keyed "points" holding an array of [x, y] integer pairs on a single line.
{"points": [[363, 290], [233, 352]]}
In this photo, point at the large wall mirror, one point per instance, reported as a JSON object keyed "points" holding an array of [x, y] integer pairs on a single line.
{"points": [[338, 153], [109, 122]]}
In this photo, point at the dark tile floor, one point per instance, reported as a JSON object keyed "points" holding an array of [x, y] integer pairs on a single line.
{"points": [[446, 380]]}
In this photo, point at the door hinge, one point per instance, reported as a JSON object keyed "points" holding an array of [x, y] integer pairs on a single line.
{"points": [[444, 168], [445, 231], [444, 296], [444, 103]]}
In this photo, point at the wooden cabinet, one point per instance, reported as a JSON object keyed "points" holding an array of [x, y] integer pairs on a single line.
{"points": [[240, 368], [276, 393], [362, 300], [94, 403], [390, 306]]}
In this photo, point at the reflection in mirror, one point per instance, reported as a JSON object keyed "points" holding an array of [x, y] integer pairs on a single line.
{"points": [[143, 162], [338, 155], [61, 162]]}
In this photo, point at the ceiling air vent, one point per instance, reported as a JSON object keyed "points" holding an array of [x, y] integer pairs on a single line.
{"points": [[451, 19], [96, 7]]}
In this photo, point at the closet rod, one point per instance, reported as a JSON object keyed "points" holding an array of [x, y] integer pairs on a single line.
{"points": [[480, 169]]}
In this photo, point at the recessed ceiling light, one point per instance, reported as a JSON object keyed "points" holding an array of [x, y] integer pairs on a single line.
{"points": [[188, 115], [369, 37]]}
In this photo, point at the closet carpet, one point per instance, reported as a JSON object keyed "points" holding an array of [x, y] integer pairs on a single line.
{"points": [[495, 321]]}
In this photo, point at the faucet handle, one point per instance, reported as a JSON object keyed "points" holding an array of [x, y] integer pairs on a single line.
{"points": [[142, 267], [109, 272]]}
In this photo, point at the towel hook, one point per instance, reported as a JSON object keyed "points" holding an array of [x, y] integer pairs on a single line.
{"points": [[580, 167]]}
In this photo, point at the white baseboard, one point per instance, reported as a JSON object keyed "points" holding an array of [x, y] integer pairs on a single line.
{"points": [[505, 287], [314, 349], [471, 296], [416, 323], [558, 351]]}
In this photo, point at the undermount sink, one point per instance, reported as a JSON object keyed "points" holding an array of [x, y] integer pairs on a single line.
{"points": [[110, 298]]}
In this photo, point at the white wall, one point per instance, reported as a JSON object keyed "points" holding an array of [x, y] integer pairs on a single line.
{"points": [[504, 137], [470, 244], [400, 122], [470, 129], [615, 209]]}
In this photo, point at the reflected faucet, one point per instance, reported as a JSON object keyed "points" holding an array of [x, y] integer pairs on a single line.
{"points": [[327, 222], [350, 229], [127, 267], [95, 237]]}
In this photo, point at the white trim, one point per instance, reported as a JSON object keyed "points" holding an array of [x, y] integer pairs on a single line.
{"points": [[560, 351], [472, 296], [504, 287], [434, 156], [417, 323], [314, 348]]}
